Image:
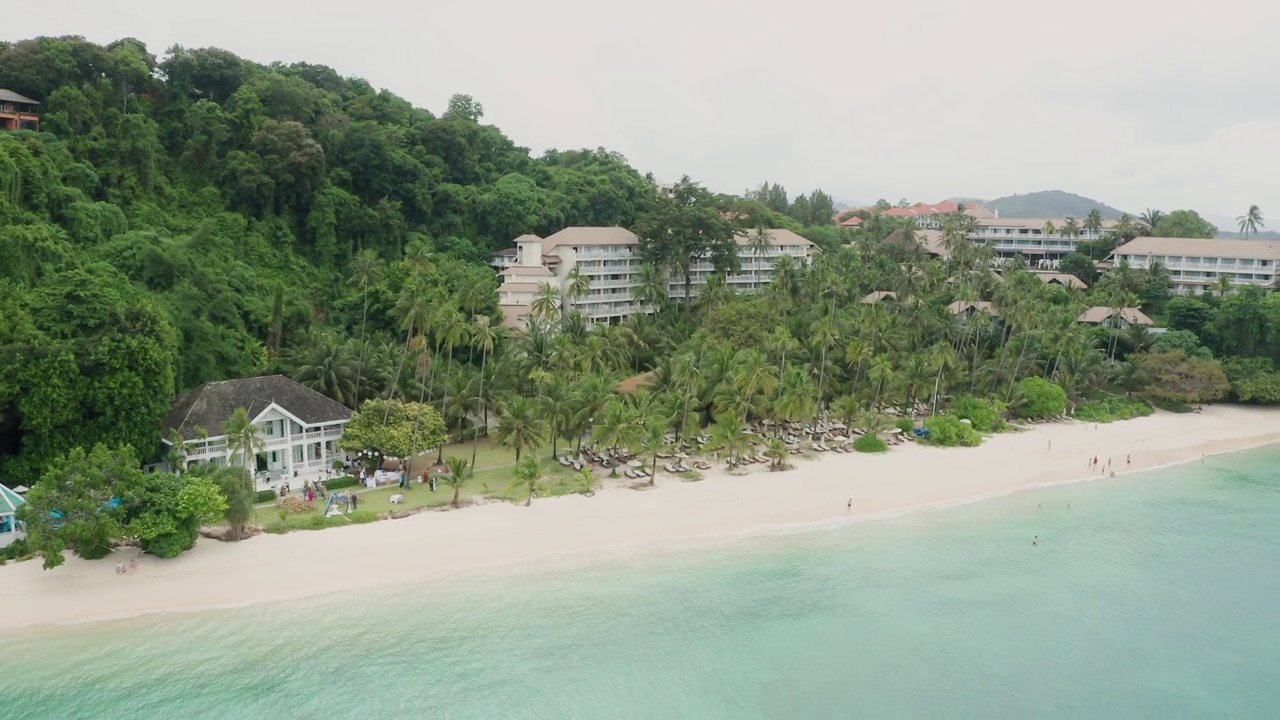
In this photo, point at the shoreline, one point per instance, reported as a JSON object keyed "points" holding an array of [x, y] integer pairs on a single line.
{"points": [[438, 546]]}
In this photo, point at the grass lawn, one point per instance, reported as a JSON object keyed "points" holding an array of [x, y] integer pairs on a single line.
{"points": [[492, 482]]}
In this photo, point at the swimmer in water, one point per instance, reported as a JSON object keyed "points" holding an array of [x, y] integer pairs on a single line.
{"points": [[1035, 540]]}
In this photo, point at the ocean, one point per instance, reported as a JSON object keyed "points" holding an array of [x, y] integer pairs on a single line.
{"points": [[1155, 595]]}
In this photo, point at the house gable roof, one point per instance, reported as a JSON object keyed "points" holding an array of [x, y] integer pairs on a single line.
{"points": [[209, 405], [13, 97]]}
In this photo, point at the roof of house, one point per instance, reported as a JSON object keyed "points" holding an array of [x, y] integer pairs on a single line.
{"points": [[960, 306], [590, 236], [524, 271], [504, 251], [879, 295], [1098, 314], [211, 404], [1063, 279], [513, 315], [928, 240], [777, 236], [11, 96], [1202, 247]]}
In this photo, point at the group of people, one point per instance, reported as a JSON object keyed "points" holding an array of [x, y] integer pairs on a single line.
{"points": [[121, 569]]}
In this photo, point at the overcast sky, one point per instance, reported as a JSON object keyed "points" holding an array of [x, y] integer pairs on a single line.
{"points": [[1134, 103]]}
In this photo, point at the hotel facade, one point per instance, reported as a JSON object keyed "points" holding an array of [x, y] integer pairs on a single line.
{"points": [[1195, 264], [610, 259]]}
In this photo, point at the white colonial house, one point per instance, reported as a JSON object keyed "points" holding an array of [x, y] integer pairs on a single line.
{"points": [[299, 428]]}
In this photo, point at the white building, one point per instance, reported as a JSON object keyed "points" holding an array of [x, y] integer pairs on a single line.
{"points": [[610, 259], [1195, 264], [1027, 237], [299, 428]]}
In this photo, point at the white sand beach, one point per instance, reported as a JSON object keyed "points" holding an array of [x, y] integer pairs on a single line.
{"points": [[911, 477]]}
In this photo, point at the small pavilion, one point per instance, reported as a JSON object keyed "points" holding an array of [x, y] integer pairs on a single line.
{"points": [[10, 530]]}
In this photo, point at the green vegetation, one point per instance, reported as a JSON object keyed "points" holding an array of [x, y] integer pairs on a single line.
{"points": [[985, 416], [1038, 398], [951, 431], [1111, 409], [870, 444]]}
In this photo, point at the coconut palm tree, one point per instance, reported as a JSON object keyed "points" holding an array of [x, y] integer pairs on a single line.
{"points": [[776, 450], [1223, 284], [329, 369], [587, 481], [452, 330], [366, 270], [414, 308], [242, 438], [652, 437], [579, 284], [546, 303], [527, 475], [729, 435], [484, 337], [652, 288], [1049, 228], [518, 425], [1151, 218], [1071, 228], [1093, 221], [614, 428], [458, 476], [1251, 221]]}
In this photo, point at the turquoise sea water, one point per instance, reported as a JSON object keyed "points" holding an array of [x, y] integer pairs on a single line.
{"points": [[1152, 596]]}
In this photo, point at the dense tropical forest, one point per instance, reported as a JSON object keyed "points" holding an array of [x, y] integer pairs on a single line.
{"points": [[199, 216]]}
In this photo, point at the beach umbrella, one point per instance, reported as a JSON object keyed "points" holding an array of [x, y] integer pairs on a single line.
{"points": [[636, 463], [21, 489]]}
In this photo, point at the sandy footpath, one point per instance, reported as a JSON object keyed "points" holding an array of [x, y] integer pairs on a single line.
{"points": [[303, 564]]}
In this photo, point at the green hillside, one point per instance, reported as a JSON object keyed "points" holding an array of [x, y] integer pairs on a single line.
{"points": [[1050, 204]]}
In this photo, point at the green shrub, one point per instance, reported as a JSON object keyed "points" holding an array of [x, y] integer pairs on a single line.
{"points": [[985, 415], [266, 496], [906, 425], [345, 481], [317, 521], [1039, 398], [949, 431], [870, 444], [1111, 409], [1171, 405]]}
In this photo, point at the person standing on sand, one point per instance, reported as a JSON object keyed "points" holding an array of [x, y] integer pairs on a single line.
{"points": [[1127, 461], [133, 565], [1050, 445], [120, 567], [851, 504]]}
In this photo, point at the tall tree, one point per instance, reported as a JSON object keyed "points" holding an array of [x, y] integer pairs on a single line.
{"points": [[686, 229], [1251, 221]]}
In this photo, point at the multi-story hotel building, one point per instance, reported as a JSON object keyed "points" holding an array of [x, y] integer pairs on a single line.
{"points": [[1195, 264], [610, 258], [1027, 237]]}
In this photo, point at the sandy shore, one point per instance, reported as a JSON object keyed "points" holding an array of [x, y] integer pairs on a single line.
{"points": [[303, 564]]}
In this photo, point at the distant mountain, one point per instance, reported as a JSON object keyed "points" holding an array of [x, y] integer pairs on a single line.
{"points": [[1265, 235], [1050, 204]]}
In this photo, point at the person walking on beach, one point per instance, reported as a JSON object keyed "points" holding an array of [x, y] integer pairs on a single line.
{"points": [[120, 567], [1127, 461], [850, 504], [1050, 445]]}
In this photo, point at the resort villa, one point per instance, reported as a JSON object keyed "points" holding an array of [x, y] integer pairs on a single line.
{"points": [[10, 530], [1119, 318], [298, 428], [18, 112], [1195, 264], [610, 259]]}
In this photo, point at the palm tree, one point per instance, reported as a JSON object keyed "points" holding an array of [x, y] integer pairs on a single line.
{"points": [[776, 450], [527, 473], [366, 269], [729, 434], [518, 425], [457, 476], [1093, 221], [614, 428], [578, 287], [1049, 228], [652, 288], [1251, 221], [414, 309], [1223, 284], [587, 481], [1071, 229], [483, 337], [452, 331], [653, 437], [242, 437], [546, 302], [1151, 218], [327, 368]]}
